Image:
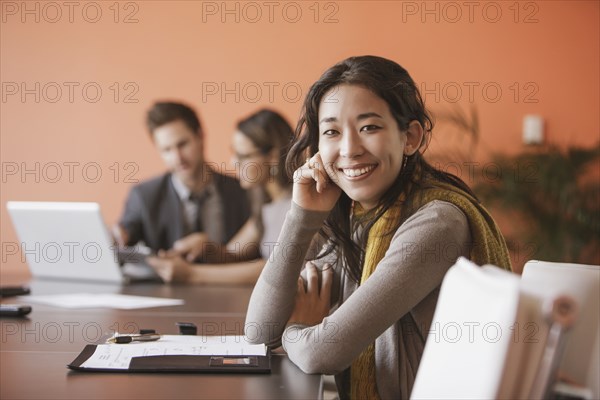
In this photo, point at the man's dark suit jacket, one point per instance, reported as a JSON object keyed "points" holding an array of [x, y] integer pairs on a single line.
{"points": [[154, 213]]}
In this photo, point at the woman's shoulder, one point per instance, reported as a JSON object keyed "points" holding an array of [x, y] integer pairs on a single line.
{"points": [[437, 215], [442, 208]]}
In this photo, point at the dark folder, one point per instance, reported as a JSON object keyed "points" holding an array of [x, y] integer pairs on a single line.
{"points": [[213, 363]]}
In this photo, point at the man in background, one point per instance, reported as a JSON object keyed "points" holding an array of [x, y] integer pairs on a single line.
{"points": [[191, 205]]}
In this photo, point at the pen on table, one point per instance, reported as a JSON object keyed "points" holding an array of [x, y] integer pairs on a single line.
{"points": [[123, 339]]}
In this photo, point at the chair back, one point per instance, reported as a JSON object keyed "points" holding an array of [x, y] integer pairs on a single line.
{"points": [[581, 357], [470, 336], [493, 337]]}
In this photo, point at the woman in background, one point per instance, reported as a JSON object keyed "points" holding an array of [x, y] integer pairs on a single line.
{"points": [[260, 145], [394, 226]]}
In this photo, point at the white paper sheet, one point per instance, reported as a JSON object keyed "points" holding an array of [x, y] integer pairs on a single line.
{"points": [[100, 300], [118, 356]]}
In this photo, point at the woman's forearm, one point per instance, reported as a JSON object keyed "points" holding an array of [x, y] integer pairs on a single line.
{"points": [[241, 273], [273, 297]]}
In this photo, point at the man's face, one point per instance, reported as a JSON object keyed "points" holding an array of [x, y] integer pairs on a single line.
{"points": [[180, 149]]}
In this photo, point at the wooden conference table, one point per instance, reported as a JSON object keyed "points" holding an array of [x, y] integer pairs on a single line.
{"points": [[35, 350]]}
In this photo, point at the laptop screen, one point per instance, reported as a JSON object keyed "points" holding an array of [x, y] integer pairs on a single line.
{"points": [[65, 240]]}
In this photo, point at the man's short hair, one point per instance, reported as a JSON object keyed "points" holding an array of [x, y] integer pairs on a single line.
{"points": [[165, 112]]}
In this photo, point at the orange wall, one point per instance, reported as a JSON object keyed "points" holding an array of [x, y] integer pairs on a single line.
{"points": [[547, 50]]}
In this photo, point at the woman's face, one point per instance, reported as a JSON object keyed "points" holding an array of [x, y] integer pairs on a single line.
{"points": [[252, 166], [360, 143]]}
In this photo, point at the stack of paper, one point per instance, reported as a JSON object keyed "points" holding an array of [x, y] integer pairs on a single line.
{"points": [[101, 300]]}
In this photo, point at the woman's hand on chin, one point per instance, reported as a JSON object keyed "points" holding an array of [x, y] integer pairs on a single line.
{"points": [[313, 189]]}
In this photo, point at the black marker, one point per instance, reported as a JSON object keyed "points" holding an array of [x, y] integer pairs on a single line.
{"points": [[10, 291], [124, 339], [14, 310]]}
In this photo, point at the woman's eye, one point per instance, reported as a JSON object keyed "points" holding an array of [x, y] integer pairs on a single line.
{"points": [[369, 128], [329, 132]]}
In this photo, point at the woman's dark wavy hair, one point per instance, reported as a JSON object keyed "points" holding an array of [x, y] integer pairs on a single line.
{"points": [[392, 83], [267, 130]]}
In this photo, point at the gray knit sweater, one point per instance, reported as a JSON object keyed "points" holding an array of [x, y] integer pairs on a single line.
{"points": [[394, 307]]}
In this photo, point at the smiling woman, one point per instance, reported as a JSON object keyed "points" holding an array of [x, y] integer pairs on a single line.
{"points": [[392, 226], [362, 147]]}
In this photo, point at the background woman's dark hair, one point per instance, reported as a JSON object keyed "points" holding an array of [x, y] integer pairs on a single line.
{"points": [[392, 83], [165, 112], [267, 129]]}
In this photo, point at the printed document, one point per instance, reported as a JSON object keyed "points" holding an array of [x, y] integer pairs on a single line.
{"points": [[118, 356]]}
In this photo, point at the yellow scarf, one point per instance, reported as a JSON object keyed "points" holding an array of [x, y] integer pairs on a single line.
{"points": [[363, 384], [488, 247]]}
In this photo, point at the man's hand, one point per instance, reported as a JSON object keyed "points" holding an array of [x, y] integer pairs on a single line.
{"points": [[191, 246], [313, 302], [171, 269], [120, 235]]}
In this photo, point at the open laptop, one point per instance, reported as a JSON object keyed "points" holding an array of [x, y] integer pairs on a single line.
{"points": [[68, 240]]}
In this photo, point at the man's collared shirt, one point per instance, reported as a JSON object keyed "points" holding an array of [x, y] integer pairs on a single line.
{"points": [[202, 211]]}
